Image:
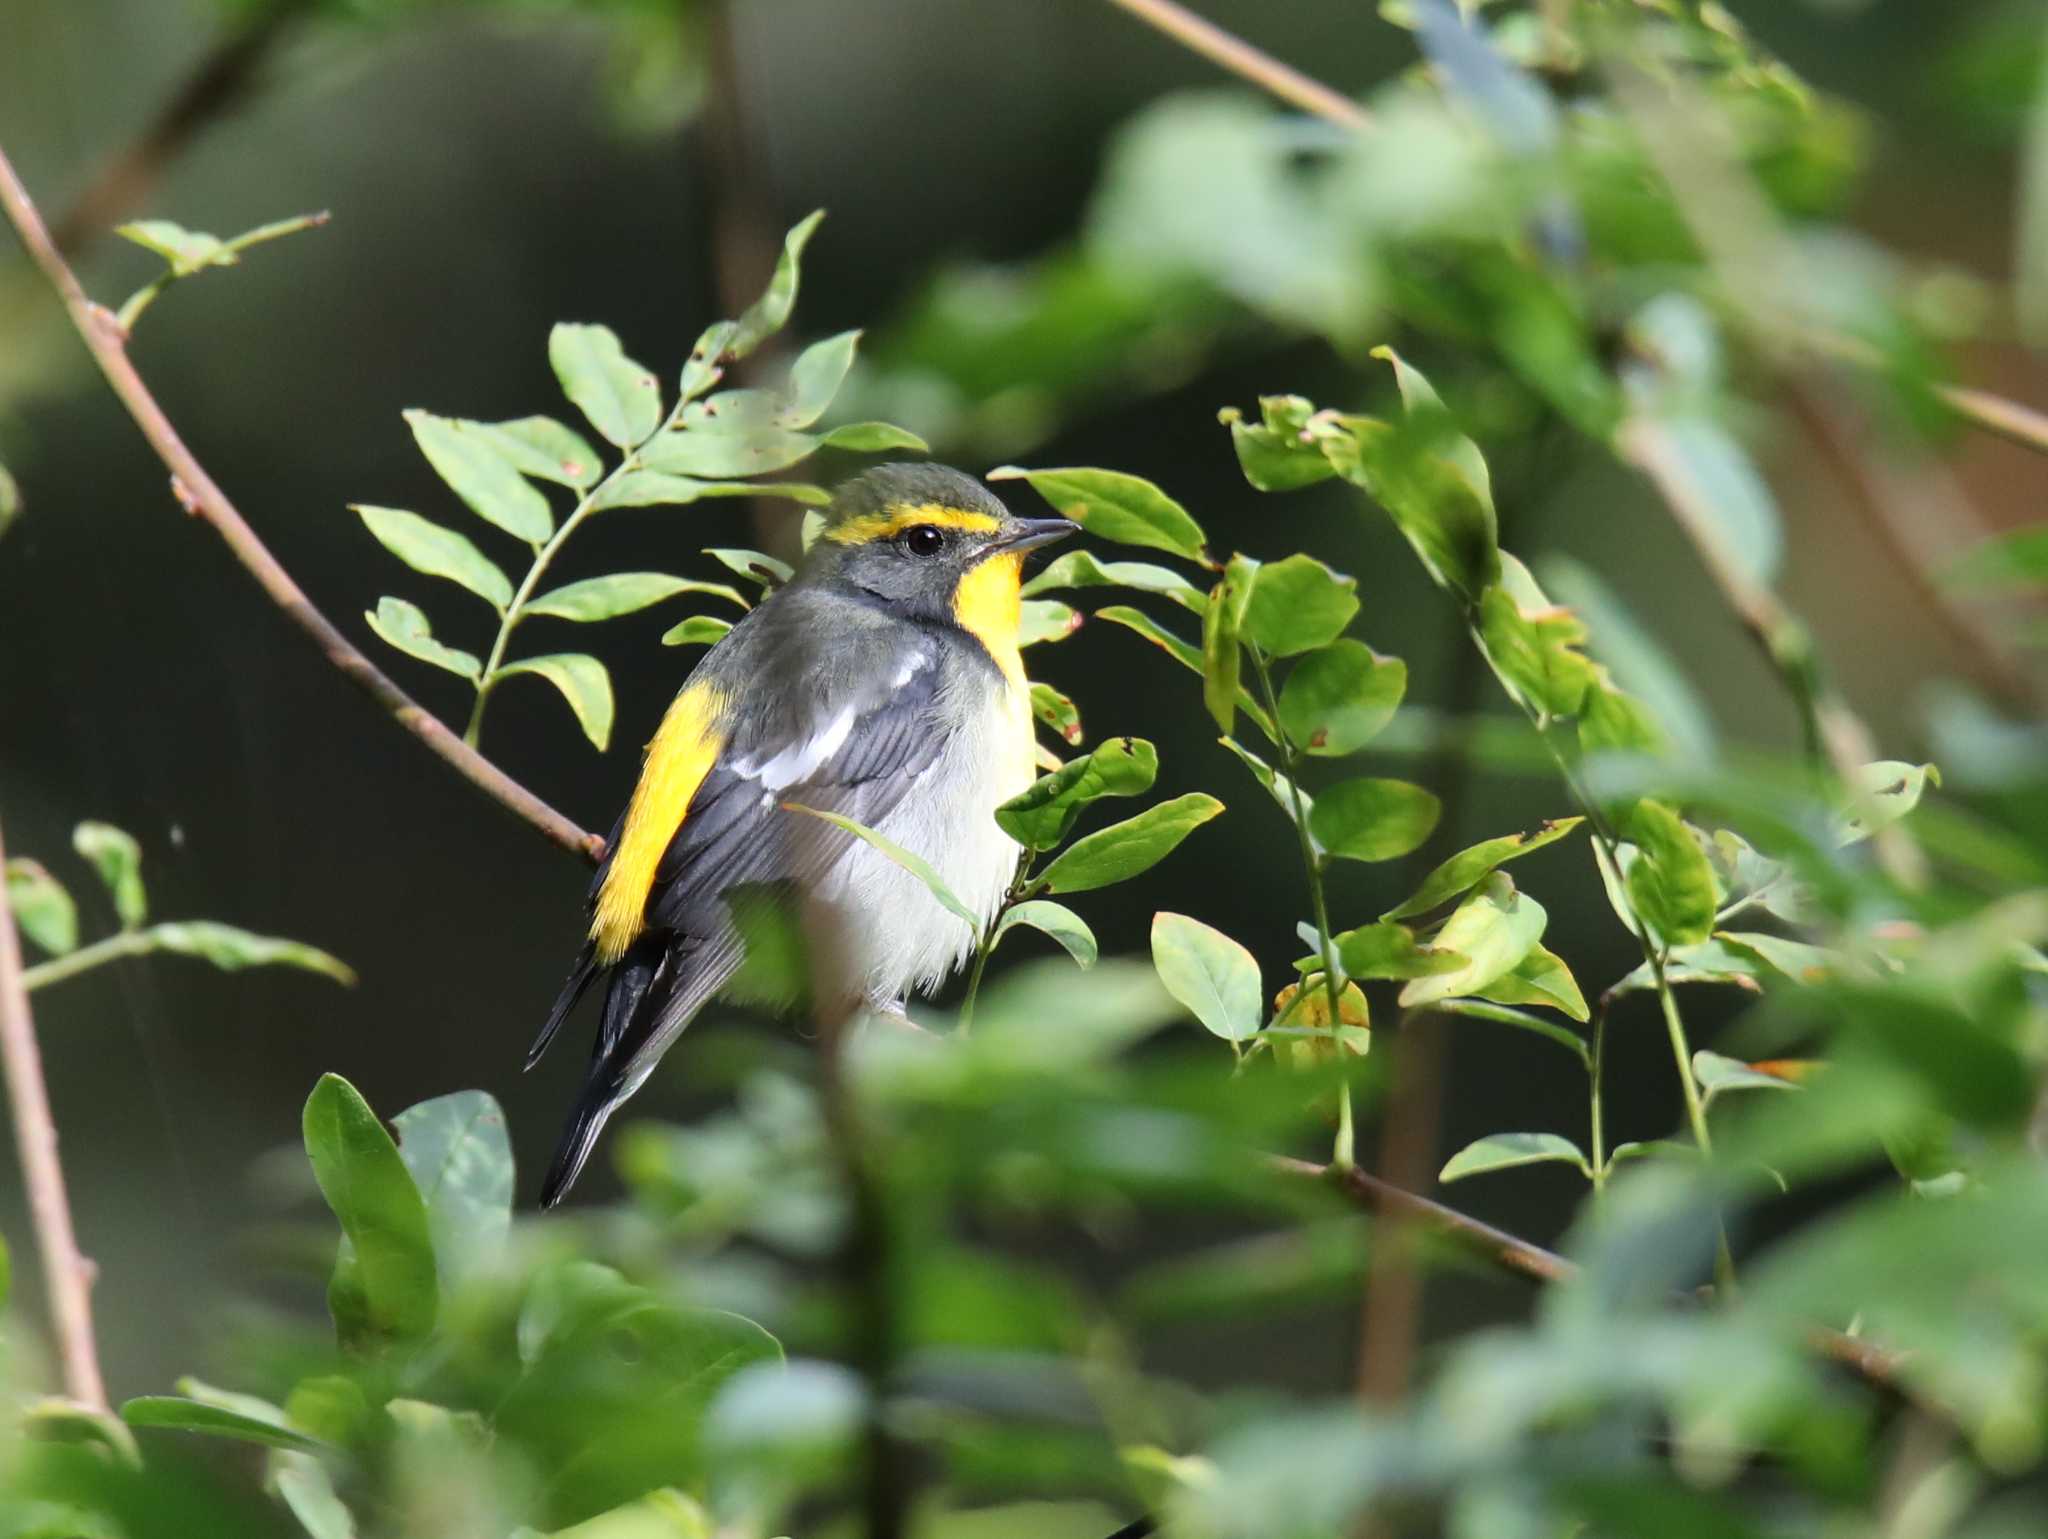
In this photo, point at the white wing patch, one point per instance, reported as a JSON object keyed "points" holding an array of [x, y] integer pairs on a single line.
{"points": [[800, 760]]}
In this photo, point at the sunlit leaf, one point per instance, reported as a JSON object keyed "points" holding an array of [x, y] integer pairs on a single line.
{"points": [[1337, 698], [1671, 883], [187, 251], [1464, 870], [1043, 620], [1392, 951], [770, 313], [1056, 920], [1042, 816], [1080, 569], [1276, 453], [460, 1155], [915, 864], [1795, 959], [405, 627], [1883, 793], [117, 858], [41, 907], [1122, 850], [1540, 978], [815, 377], [873, 438], [697, 631], [543, 447], [583, 682], [620, 593], [1114, 506], [384, 1287], [1298, 604], [752, 565], [1493, 929], [232, 949], [709, 456], [1056, 711], [621, 399], [306, 1487], [438, 552], [1534, 643], [482, 468], [1717, 1074], [1211, 974], [1505, 1151], [1373, 819], [183, 1415]]}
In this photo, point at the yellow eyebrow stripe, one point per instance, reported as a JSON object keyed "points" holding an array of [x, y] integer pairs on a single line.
{"points": [[680, 755], [894, 520]]}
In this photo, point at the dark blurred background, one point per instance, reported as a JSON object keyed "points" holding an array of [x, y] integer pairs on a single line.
{"points": [[491, 172]]}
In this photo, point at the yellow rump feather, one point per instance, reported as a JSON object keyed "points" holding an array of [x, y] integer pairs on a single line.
{"points": [[681, 754]]}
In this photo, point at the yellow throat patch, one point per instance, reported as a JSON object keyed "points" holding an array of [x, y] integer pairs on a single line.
{"points": [[989, 605], [683, 749]]}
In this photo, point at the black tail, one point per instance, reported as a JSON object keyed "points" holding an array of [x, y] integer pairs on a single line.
{"points": [[599, 1098], [579, 979], [625, 996]]}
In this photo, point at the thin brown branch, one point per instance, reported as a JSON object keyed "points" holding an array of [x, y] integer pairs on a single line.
{"points": [[1390, 1314], [203, 499], [221, 80], [67, 1274], [1240, 58]]}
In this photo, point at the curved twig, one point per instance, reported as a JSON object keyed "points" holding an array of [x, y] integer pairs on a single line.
{"points": [[67, 1274], [203, 499]]}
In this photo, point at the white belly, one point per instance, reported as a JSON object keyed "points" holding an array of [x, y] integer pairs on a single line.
{"points": [[896, 937]]}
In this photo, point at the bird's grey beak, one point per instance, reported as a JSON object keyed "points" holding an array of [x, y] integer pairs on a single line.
{"points": [[1025, 533]]}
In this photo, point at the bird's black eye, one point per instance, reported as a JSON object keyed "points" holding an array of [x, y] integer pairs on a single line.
{"points": [[923, 540]]}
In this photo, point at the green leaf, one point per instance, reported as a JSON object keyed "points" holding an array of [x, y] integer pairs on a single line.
{"points": [[10, 499], [1056, 711], [1043, 620], [1298, 604], [1222, 659], [915, 864], [1113, 506], [1284, 791], [1211, 974], [711, 456], [1372, 819], [1521, 1020], [473, 459], [770, 313], [584, 683], [2017, 558], [1540, 978], [817, 374], [697, 631], [1504, 1151], [1080, 569], [41, 907], [187, 251], [118, 859], [460, 1156], [705, 366], [1056, 920], [873, 438], [621, 593], [1182, 652], [1795, 959], [1640, 663], [1717, 1074], [1277, 454], [752, 565], [405, 627], [621, 399], [1671, 884], [1708, 962], [1534, 643], [1125, 849], [306, 1487], [1391, 951], [1337, 699], [232, 949], [543, 447], [182, 1415], [1042, 816], [1493, 930], [384, 1287], [438, 552], [1464, 870], [1881, 794]]}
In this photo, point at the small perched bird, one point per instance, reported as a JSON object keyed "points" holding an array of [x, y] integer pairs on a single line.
{"points": [[883, 683]]}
